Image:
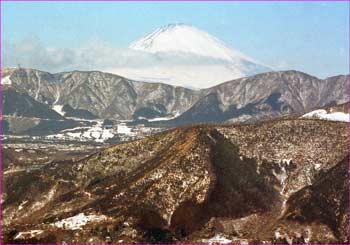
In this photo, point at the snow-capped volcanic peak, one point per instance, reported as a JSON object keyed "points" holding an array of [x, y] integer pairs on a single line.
{"points": [[183, 55], [188, 39]]}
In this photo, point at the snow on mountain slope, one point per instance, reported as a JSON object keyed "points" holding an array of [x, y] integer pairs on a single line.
{"points": [[187, 56], [332, 116], [79, 220], [58, 109]]}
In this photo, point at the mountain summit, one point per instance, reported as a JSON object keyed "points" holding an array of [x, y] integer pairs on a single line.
{"points": [[184, 55], [187, 39]]}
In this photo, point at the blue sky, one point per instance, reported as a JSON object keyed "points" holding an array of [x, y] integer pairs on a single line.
{"points": [[312, 36]]}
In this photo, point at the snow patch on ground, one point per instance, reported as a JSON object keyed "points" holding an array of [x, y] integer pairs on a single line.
{"points": [[282, 176], [78, 221], [308, 235], [333, 116], [28, 234], [282, 173], [20, 207], [58, 109], [6, 81], [163, 118], [241, 118], [283, 207], [47, 198], [99, 133], [217, 239], [317, 166], [123, 129]]}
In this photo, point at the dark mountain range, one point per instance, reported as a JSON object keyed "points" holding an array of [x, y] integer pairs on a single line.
{"points": [[20, 104], [267, 95], [102, 94], [250, 183], [78, 113]]}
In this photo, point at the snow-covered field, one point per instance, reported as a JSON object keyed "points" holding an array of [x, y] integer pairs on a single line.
{"points": [[333, 116], [99, 133], [96, 133], [123, 129]]}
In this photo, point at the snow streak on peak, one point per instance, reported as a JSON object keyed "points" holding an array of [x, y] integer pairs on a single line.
{"points": [[187, 39]]}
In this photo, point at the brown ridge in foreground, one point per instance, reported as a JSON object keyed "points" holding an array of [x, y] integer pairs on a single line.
{"points": [[275, 182]]}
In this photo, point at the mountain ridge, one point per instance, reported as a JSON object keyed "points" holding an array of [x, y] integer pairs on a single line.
{"points": [[111, 96], [179, 186]]}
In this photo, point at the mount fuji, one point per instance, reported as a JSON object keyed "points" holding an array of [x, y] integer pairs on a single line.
{"points": [[188, 39], [186, 56]]}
